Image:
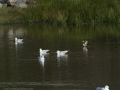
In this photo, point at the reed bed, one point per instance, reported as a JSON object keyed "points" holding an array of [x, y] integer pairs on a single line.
{"points": [[72, 11], [65, 11]]}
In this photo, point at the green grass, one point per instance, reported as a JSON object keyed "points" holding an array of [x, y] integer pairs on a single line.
{"points": [[73, 11], [63, 11], [8, 15]]}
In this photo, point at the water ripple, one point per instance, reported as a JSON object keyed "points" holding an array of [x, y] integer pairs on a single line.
{"points": [[3, 84]]}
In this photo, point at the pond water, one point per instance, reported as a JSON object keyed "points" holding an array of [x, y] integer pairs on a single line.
{"points": [[80, 69]]}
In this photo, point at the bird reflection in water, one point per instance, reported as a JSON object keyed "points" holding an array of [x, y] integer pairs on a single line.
{"points": [[62, 57], [85, 51], [16, 43], [41, 60]]}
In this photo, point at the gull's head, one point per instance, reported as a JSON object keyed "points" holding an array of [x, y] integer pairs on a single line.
{"points": [[15, 38], [40, 50], [107, 87], [58, 51], [83, 41]]}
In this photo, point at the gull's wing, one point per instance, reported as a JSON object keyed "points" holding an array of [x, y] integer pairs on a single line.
{"points": [[86, 42], [45, 51], [64, 51]]}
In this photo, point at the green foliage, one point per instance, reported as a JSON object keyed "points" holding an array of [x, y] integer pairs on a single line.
{"points": [[73, 11]]}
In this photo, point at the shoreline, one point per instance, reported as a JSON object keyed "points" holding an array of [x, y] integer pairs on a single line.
{"points": [[68, 23]]}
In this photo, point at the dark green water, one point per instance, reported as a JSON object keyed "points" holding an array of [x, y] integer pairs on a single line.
{"points": [[20, 68]]}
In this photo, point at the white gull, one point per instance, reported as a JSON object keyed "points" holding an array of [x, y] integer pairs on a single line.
{"points": [[43, 52], [61, 53], [103, 88], [18, 40], [85, 43]]}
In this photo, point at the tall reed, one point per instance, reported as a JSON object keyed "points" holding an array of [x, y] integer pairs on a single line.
{"points": [[73, 11]]}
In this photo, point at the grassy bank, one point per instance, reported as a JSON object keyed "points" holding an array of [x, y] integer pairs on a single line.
{"points": [[8, 15], [73, 11]]}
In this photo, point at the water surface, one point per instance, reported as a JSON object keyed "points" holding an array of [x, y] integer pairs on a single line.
{"points": [[82, 68]]}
